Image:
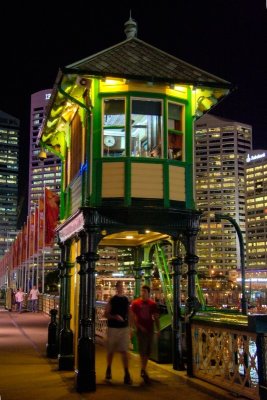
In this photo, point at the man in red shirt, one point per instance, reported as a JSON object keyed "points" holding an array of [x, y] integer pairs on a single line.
{"points": [[145, 313]]}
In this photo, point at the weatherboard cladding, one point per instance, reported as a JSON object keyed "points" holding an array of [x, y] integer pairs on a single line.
{"points": [[136, 58]]}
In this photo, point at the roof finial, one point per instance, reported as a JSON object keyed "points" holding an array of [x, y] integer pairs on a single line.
{"points": [[130, 27]]}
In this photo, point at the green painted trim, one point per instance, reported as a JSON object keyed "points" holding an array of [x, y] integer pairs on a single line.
{"points": [[166, 184], [177, 100], [189, 184], [98, 181], [62, 193], [165, 129], [149, 160], [51, 150], [133, 94], [128, 127], [68, 202], [127, 183], [128, 160], [95, 131], [88, 141], [86, 184], [72, 99]]}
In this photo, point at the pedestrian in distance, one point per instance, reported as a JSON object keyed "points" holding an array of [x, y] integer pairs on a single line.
{"points": [[19, 296], [33, 297], [145, 315], [117, 312]]}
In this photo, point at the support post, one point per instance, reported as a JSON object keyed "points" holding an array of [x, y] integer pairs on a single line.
{"points": [[137, 272], [66, 356], [85, 372], [192, 303], [51, 347], [178, 363]]}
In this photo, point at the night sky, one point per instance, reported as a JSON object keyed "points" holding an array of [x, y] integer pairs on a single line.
{"points": [[227, 38]]}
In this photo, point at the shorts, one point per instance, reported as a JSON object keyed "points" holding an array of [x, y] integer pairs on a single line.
{"points": [[118, 339], [144, 343]]}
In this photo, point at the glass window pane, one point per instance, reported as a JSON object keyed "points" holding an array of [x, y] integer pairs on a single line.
{"points": [[114, 128], [175, 116], [175, 146], [146, 128], [175, 139]]}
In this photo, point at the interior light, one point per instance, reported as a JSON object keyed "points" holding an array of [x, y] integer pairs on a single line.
{"points": [[114, 81], [180, 88], [129, 237]]}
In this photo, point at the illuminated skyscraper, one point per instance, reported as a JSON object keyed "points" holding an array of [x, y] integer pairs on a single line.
{"points": [[46, 171], [256, 210], [256, 218], [43, 172], [220, 152], [9, 137]]}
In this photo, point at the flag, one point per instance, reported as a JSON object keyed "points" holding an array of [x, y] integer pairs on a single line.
{"points": [[36, 230], [41, 223], [51, 215], [31, 230], [24, 243]]}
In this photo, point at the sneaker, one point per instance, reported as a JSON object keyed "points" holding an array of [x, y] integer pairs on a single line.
{"points": [[145, 376], [127, 379], [108, 373]]}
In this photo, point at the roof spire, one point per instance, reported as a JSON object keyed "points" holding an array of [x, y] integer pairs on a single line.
{"points": [[130, 27]]}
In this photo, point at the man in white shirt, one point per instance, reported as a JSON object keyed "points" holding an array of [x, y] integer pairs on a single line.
{"points": [[33, 297]]}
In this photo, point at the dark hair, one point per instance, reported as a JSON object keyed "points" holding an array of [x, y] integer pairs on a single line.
{"points": [[118, 283], [146, 287]]}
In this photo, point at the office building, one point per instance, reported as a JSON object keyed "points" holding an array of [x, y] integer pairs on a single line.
{"points": [[9, 153], [46, 171], [256, 217], [220, 158]]}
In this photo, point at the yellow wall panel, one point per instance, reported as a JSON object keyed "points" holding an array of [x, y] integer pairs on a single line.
{"points": [[177, 183], [113, 179], [147, 181]]}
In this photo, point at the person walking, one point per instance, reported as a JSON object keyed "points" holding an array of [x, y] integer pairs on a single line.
{"points": [[33, 297], [145, 314], [19, 296], [117, 312]]}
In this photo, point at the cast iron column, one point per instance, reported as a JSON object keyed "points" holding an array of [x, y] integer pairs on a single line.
{"points": [[147, 265], [66, 356], [85, 372], [191, 259], [137, 272], [178, 363], [52, 344], [192, 303], [61, 269]]}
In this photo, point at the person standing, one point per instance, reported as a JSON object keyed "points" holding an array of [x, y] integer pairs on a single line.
{"points": [[19, 296], [117, 312], [33, 296], [145, 314]]}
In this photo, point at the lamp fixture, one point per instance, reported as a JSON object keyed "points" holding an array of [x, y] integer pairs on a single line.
{"points": [[42, 155]]}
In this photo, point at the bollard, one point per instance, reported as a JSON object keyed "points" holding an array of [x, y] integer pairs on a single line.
{"points": [[51, 347]]}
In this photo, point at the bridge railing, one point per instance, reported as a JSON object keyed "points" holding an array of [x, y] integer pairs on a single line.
{"points": [[46, 302], [230, 351]]}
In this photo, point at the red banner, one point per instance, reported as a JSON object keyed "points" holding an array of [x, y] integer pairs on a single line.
{"points": [[51, 215], [24, 243], [41, 223]]}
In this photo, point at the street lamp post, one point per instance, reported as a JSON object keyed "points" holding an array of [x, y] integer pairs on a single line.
{"points": [[218, 218]]}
